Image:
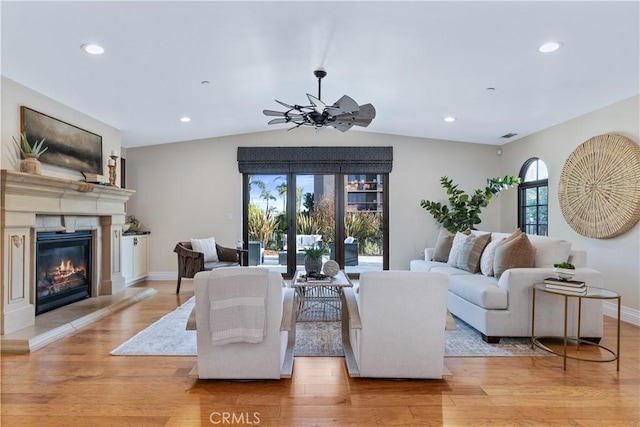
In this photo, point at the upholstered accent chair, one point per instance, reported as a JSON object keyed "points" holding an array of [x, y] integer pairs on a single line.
{"points": [[191, 262], [225, 349], [395, 324]]}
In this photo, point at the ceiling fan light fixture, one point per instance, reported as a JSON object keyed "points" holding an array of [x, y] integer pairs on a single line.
{"points": [[342, 115]]}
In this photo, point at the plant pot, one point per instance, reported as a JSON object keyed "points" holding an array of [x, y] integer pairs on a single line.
{"points": [[313, 264], [30, 164]]}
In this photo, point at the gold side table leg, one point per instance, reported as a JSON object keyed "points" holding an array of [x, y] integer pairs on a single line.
{"points": [[533, 317], [566, 305], [618, 343], [579, 322]]}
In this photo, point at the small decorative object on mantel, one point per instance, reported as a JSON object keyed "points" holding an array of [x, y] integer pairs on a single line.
{"points": [[112, 168], [599, 191], [30, 153]]}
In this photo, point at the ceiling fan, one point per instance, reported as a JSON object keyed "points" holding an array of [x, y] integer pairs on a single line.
{"points": [[342, 115]]}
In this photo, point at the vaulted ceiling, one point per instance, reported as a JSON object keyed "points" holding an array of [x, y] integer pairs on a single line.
{"points": [[416, 62]]}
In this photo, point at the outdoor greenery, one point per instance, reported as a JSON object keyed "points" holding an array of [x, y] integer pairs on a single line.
{"points": [[463, 211]]}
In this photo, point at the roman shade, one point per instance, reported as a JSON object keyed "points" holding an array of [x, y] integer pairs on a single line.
{"points": [[346, 160]]}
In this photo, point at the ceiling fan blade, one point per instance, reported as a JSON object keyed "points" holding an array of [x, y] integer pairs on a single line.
{"points": [[367, 111], [362, 122], [295, 127], [291, 107], [346, 104], [342, 126], [318, 105], [273, 113], [278, 121]]}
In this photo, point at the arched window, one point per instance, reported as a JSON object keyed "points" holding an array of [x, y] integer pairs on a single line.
{"points": [[533, 205]]}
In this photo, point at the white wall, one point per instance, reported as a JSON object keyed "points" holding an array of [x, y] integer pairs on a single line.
{"points": [[193, 189], [14, 96], [617, 258]]}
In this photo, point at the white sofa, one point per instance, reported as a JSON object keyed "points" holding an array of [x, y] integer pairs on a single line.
{"points": [[502, 307], [395, 340]]}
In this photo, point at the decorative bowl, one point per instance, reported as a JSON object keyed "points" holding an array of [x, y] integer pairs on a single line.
{"points": [[125, 227], [564, 273]]}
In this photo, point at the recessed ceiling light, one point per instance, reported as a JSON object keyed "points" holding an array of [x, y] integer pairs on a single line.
{"points": [[449, 119], [92, 48], [550, 47], [185, 119], [205, 82]]}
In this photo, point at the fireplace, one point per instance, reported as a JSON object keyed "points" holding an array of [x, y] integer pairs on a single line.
{"points": [[63, 269]]}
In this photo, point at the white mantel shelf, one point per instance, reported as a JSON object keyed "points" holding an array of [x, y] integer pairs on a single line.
{"points": [[37, 203], [19, 189]]}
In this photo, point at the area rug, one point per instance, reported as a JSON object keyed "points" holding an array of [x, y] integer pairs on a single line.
{"points": [[168, 337]]}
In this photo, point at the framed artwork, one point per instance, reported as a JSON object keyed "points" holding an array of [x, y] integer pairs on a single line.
{"points": [[69, 146]]}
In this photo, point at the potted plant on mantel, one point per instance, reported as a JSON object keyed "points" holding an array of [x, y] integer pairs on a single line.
{"points": [[313, 258], [464, 210], [30, 153]]}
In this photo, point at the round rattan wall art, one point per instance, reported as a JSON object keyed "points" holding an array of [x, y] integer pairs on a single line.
{"points": [[599, 189]]}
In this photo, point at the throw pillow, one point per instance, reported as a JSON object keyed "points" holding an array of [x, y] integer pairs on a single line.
{"points": [[469, 252], [456, 245], [443, 246], [207, 247], [513, 253], [486, 260]]}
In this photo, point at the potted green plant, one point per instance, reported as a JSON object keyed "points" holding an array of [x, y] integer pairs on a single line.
{"points": [[30, 154], [463, 211], [313, 258]]}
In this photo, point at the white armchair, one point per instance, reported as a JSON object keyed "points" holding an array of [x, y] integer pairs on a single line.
{"points": [[395, 323], [272, 357]]}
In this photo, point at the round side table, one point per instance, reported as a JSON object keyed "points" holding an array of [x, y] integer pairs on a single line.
{"points": [[592, 293]]}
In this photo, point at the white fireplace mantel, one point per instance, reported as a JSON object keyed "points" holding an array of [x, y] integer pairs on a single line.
{"points": [[32, 203]]}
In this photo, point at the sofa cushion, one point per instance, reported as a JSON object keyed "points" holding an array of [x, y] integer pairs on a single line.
{"points": [[488, 255], [550, 251], [425, 265], [443, 246], [480, 290], [468, 251], [207, 247], [516, 252], [448, 270]]}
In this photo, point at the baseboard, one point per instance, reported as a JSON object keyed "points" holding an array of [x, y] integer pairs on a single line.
{"points": [[627, 314], [155, 276]]}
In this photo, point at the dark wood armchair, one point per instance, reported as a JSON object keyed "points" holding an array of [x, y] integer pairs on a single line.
{"points": [[191, 262]]}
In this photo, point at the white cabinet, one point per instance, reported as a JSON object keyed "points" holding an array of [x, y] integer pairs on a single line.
{"points": [[134, 258]]}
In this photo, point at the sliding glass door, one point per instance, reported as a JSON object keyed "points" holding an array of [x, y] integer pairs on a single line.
{"points": [[342, 213]]}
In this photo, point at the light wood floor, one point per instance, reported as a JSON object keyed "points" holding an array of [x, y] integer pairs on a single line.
{"points": [[75, 382]]}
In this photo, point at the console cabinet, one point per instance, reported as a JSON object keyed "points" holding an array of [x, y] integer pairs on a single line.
{"points": [[134, 258]]}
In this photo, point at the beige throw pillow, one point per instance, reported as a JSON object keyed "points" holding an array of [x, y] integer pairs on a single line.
{"points": [[468, 251], [456, 246], [443, 246], [486, 260], [517, 252]]}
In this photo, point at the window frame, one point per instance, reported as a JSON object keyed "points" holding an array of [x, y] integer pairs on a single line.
{"points": [[522, 189]]}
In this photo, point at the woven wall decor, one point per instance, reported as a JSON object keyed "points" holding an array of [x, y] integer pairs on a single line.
{"points": [[599, 189]]}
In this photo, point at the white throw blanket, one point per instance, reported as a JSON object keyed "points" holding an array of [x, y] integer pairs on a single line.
{"points": [[237, 312]]}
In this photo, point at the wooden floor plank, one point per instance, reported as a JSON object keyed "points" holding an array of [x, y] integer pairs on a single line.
{"points": [[76, 382]]}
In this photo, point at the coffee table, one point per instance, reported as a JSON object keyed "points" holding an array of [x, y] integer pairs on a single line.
{"points": [[319, 300]]}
